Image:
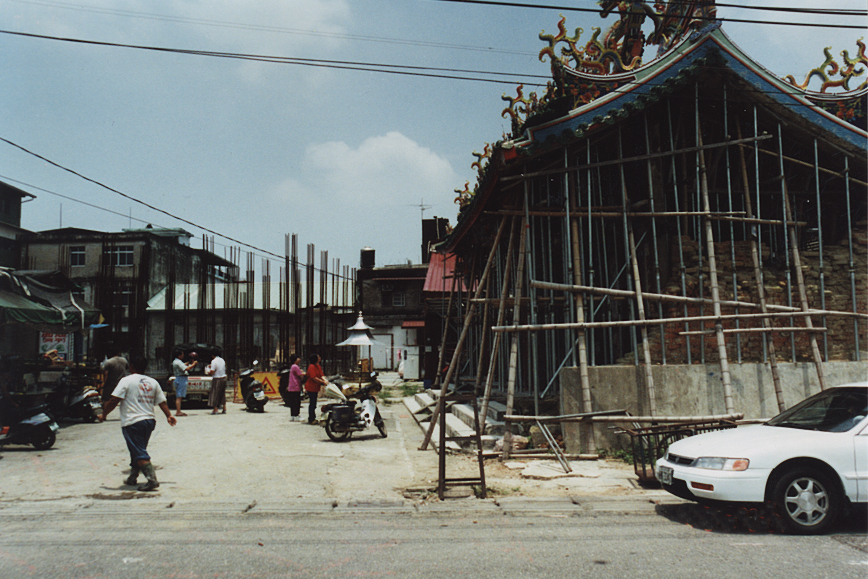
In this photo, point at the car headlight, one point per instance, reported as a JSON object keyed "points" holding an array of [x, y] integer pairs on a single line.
{"points": [[720, 463]]}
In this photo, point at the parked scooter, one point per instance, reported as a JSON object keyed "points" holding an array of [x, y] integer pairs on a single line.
{"points": [[283, 385], [27, 425], [74, 402], [343, 418], [251, 391]]}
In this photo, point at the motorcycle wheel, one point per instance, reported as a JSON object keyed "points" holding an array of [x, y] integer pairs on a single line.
{"points": [[43, 439], [381, 425], [336, 436]]}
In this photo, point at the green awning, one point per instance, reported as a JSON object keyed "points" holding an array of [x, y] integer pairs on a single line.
{"points": [[44, 300]]}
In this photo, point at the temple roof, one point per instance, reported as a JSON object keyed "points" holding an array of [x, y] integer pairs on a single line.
{"points": [[581, 102]]}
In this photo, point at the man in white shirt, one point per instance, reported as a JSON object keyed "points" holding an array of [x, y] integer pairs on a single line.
{"points": [[137, 395], [217, 370]]}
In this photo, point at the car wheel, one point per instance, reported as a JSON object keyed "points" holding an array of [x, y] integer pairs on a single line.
{"points": [[43, 439], [807, 500], [337, 436]]}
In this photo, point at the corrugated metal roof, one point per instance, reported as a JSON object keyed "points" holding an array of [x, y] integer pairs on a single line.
{"points": [[440, 272]]}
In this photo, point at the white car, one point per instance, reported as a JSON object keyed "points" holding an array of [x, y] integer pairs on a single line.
{"points": [[810, 462]]}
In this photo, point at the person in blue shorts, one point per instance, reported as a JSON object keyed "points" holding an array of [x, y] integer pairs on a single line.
{"points": [[181, 370]]}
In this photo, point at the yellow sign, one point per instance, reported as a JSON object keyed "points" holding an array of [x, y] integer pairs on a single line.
{"points": [[269, 380]]}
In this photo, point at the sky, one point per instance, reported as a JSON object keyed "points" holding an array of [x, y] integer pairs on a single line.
{"points": [[247, 152]]}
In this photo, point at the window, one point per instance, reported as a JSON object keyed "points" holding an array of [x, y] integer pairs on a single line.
{"points": [[399, 299], [76, 256], [120, 256], [123, 301]]}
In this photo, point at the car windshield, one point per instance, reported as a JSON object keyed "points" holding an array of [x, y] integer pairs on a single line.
{"points": [[833, 410]]}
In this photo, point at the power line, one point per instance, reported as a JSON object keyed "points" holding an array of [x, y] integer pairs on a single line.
{"points": [[276, 29], [529, 80], [139, 201], [715, 18], [400, 69]]}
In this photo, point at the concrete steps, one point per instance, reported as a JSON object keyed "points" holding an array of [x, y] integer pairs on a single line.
{"points": [[459, 420]]}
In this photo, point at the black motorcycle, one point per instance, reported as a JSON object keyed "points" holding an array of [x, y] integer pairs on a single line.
{"points": [[356, 412], [252, 392], [70, 400], [27, 424]]}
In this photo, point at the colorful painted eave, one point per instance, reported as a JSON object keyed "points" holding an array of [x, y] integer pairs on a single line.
{"points": [[651, 79]]}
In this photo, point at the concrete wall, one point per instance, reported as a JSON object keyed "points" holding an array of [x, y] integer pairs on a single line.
{"points": [[692, 390]]}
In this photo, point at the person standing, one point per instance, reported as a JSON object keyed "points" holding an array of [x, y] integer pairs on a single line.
{"points": [[293, 389], [315, 382], [114, 369], [181, 370], [137, 395], [217, 370]]}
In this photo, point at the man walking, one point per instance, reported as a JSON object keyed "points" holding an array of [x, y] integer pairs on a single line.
{"points": [[137, 395], [181, 370], [217, 370], [114, 369]]}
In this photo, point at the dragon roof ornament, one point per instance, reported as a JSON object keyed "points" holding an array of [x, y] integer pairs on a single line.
{"points": [[831, 68]]}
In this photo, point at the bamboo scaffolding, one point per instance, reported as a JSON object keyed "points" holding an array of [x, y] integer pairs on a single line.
{"points": [[803, 295], [621, 160], [601, 417], [755, 330], [841, 174], [651, 322], [758, 278], [683, 299], [725, 376], [513, 351], [458, 347], [724, 216], [585, 381], [501, 312]]}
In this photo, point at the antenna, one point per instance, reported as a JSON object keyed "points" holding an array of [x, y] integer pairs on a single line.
{"points": [[422, 207]]}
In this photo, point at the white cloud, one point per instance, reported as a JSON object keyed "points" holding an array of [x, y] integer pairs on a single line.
{"points": [[369, 193]]}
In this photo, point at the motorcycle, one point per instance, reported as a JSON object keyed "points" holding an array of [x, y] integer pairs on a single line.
{"points": [[251, 391], [74, 402], [28, 425], [283, 385], [354, 413]]}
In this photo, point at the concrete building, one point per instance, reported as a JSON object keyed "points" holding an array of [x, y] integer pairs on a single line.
{"points": [[119, 272], [11, 199]]}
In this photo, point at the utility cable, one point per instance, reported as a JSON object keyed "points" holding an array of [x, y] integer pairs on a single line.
{"points": [[408, 70], [710, 18], [139, 201]]}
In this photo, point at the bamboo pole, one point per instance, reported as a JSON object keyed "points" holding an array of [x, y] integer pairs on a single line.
{"points": [[588, 433], [501, 312], [622, 160], [654, 322], [754, 330], [646, 350], [603, 418], [712, 269], [758, 277], [513, 351], [483, 282], [803, 296], [445, 325]]}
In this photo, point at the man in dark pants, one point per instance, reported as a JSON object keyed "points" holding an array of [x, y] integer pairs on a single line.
{"points": [[137, 395]]}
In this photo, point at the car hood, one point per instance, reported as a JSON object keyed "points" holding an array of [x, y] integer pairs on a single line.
{"points": [[758, 443]]}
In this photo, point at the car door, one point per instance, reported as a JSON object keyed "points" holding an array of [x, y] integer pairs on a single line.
{"points": [[860, 442]]}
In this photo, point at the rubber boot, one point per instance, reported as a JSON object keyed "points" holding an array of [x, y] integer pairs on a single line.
{"points": [[152, 484], [134, 476]]}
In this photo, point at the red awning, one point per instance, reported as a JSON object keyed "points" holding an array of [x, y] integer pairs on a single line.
{"points": [[413, 324]]}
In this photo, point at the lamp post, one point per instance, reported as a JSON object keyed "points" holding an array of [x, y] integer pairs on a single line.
{"points": [[360, 335]]}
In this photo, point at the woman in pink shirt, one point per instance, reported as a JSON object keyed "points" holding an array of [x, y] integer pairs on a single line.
{"points": [[293, 389]]}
